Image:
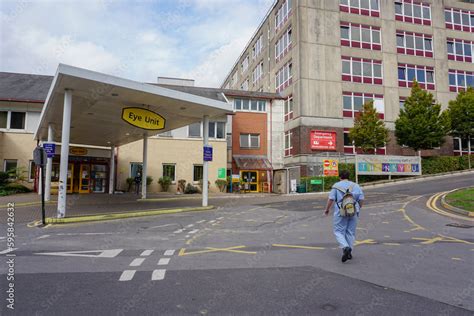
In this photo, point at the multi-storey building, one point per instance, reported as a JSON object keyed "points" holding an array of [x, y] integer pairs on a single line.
{"points": [[328, 57]]}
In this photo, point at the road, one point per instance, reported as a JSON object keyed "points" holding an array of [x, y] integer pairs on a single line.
{"points": [[268, 256]]}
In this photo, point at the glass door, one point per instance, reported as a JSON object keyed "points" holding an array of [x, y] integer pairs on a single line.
{"points": [[99, 178], [84, 174], [250, 180], [70, 177]]}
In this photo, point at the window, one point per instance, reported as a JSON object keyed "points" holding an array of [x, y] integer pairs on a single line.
{"points": [[9, 165], [460, 80], [460, 20], [410, 43], [197, 173], [423, 74], [249, 105], [257, 47], [353, 102], [135, 169], [462, 145], [249, 140], [217, 130], [165, 134], [245, 64], [288, 146], [194, 130], [361, 70], [360, 36], [245, 85], [460, 50], [363, 7], [12, 120], [289, 108], [283, 77], [418, 13], [283, 45], [401, 103], [282, 14], [169, 170], [257, 73], [31, 171]]}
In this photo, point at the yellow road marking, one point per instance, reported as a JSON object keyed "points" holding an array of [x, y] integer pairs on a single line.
{"points": [[365, 242], [441, 238], [298, 246], [183, 252], [391, 243], [431, 204]]}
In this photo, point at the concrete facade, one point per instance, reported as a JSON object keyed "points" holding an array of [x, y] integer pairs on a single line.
{"points": [[316, 53]]}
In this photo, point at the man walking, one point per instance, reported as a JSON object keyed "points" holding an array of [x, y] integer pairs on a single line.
{"points": [[342, 195]]}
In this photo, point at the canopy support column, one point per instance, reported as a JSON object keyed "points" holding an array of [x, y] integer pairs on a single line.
{"points": [[112, 170], [145, 162], [63, 167], [49, 166], [205, 164]]}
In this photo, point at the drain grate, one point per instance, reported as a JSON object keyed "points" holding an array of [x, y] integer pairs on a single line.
{"points": [[458, 225]]}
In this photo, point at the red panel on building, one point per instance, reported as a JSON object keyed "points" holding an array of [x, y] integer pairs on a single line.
{"points": [[323, 140]]}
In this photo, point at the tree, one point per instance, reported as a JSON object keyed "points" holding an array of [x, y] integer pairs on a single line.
{"points": [[461, 116], [369, 132], [421, 124]]}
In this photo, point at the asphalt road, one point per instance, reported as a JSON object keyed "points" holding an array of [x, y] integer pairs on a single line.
{"points": [[252, 257]]}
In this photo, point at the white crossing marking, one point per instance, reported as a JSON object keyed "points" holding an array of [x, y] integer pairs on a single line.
{"points": [[127, 275], [1, 238], [158, 274], [213, 221], [178, 231], [88, 253], [44, 236], [194, 231], [187, 236], [146, 253], [169, 252], [163, 261], [7, 250], [200, 222], [220, 217], [137, 262], [190, 225]]}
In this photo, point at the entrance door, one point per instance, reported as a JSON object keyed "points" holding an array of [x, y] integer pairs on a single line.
{"points": [[85, 179], [250, 179], [99, 178]]}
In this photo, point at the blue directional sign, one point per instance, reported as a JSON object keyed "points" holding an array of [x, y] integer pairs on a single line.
{"points": [[207, 151], [50, 149]]}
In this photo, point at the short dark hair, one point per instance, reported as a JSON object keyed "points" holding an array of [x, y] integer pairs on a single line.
{"points": [[344, 174]]}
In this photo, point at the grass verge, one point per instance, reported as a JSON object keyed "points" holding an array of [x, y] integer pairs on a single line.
{"points": [[463, 199]]}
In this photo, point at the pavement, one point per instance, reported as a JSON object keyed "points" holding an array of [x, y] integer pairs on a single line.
{"points": [[272, 255]]}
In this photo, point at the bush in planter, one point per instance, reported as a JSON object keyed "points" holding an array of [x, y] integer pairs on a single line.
{"points": [[221, 184], [201, 183], [190, 189], [130, 182], [165, 183], [149, 181], [13, 188]]}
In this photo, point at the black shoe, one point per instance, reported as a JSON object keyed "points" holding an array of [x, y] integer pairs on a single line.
{"points": [[349, 255], [345, 255]]}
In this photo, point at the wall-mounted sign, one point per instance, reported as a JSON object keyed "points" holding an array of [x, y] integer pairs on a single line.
{"points": [[50, 149], [221, 173], [143, 118], [207, 153], [323, 140], [331, 168], [77, 151], [388, 165]]}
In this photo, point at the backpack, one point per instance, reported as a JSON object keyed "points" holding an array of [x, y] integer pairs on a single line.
{"points": [[347, 206]]}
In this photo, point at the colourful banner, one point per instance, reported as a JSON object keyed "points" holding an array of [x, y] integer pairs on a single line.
{"points": [[388, 165]]}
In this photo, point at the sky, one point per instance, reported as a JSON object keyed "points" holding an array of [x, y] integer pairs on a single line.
{"points": [[138, 40]]}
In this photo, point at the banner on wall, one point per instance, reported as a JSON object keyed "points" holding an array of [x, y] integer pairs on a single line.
{"points": [[388, 165], [323, 140]]}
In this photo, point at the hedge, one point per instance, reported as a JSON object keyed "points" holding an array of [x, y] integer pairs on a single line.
{"points": [[440, 164]]}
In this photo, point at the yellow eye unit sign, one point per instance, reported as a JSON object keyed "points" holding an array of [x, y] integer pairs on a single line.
{"points": [[143, 118]]}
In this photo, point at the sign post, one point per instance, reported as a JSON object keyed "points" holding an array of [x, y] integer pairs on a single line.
{"points": [[39, 158]]}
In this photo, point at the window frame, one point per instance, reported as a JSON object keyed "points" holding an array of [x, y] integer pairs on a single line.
{"points": [[163, 165], [407, 13], [353, 112], [282, 14], [360, 42], [249, 139], [283, 45], [404, 49], [288, 108], [200, 130], [463, 56], [407, 83], [287, 143], [284, 77], [461, 26], [194, 172], [8, 126], [456, 87], [355, 7], [354, 66]]}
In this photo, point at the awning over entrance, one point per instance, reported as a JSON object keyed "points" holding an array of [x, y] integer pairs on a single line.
{"points": [[98, 102], [249, 162]]}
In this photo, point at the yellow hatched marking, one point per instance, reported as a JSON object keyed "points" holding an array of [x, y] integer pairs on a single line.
{"points": [[391, 243], [431, 204], [365, 242], [441, 238], [211, 249], [298, 246]]}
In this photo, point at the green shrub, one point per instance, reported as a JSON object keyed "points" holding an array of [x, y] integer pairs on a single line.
{"points": [[165, 183], [440, 164], [14, 188], [190, 189], [3, 178], [221, 184]]}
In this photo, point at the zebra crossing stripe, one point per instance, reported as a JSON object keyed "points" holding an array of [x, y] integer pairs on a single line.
{"points": [[163, 261], [158, 274], [146, 253], [169, 252], [127, 275]]}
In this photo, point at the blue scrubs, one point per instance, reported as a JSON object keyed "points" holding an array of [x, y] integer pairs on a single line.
{"points": [[345, 227]]}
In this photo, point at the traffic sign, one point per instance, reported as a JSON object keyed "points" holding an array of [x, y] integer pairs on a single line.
{"points": [[50, 149], [331, 167], [207, 153]]}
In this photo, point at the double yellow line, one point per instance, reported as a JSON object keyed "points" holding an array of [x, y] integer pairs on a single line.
{"points": [[431, 204]]}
